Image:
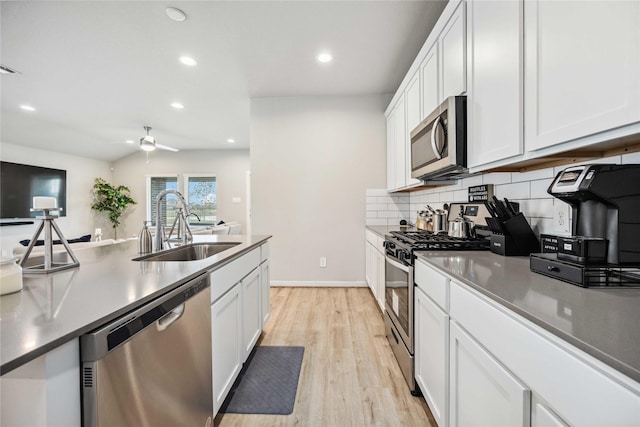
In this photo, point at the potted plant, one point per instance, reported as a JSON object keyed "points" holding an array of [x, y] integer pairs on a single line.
{"points": [[114, 200]]}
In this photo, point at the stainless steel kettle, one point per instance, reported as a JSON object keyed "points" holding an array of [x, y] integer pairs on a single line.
{"points": [[461, 226]]}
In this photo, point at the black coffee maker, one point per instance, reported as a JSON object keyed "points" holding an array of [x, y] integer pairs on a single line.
{"points": [[605, 200]]}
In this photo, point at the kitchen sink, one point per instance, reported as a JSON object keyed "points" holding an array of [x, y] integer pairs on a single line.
{"points": [[191, 252]]}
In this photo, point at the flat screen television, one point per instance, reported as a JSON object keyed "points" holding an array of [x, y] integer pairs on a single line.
{"points": [[19, 184]]}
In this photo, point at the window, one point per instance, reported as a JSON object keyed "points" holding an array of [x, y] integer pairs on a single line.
{"points": [[201, 194], [156, 185]]}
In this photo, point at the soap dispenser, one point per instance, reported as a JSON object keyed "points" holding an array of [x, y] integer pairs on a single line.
{"points": [[145, 242]]}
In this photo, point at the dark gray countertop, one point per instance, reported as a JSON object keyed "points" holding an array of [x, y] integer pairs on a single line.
{"points": [[601, 322], [58, 307]]}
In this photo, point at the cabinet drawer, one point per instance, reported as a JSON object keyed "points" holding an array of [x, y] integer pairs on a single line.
{"points": [[434, 284], [225, 277], [583, 390]]}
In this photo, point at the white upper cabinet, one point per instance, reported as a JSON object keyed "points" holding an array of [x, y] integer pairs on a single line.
{"points": [[454, 58], [413, 118], [430, 82], [391, 145], [400, 145], [495, 93], [582, 69]]}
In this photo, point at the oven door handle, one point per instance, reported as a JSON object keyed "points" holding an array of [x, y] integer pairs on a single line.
{"points": [[396, 264]]}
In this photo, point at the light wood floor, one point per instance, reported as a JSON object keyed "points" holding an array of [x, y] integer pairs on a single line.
{"points": [[349, 375]]}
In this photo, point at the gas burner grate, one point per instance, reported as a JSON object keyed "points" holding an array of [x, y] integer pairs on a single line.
{"points": [[426, 241]]}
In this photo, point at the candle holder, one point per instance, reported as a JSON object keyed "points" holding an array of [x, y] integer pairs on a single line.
{"points": [[48, 224]]}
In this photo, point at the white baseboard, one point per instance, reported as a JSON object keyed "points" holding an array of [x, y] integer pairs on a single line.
{"points": [[318, 284]]}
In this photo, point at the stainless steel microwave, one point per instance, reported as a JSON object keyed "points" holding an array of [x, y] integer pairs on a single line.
{"points": [[439, 142]]}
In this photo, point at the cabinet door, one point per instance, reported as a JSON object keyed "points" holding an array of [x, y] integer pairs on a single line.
{"points": [[483, 392], [583, 69], [495, 116], [265, 284], [412, 99], [429, 71], [400, 141], [251, 320], [432, 355], [542, 416], [391, 144], [453, 54], [368, 263], [381, 281], [226, 343]]}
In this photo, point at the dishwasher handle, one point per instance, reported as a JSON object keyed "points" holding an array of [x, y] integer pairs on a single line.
{"points": [[166, 321]]}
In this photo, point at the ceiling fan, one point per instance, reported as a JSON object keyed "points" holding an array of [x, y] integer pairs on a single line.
{"points": [[148, 142]]}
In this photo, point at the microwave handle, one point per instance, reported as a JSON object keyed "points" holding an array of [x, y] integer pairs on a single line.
{"points": [[434, 146]]}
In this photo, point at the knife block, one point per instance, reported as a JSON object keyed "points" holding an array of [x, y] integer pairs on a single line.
{"points": [[517, 238]]}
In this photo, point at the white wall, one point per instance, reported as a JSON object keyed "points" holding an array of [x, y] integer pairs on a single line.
{"points": [[312, 159], [81, 173], [229, 166]]}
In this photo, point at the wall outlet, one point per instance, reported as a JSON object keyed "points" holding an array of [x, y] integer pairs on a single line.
{"points": [[561, 217], [323, 262]]}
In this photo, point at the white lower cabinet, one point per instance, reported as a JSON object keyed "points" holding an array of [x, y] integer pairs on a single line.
{"points": [[226, 342], [375, 266], [483, 392], [251, 310], [239, 297], [265, 285], [432, 355]]}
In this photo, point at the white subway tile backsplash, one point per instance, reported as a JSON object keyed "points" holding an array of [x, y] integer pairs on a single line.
{"points": [[532, 175], [388, 214], [385, 200], [518, 190], [377, 222], [372, 199], [472, 181], [446, 197], [403, 206], [497, 178], [460, 196], [539, 208], [539, 188], [372, 214]]}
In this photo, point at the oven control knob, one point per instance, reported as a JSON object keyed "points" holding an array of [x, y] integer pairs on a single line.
{"points": [[389, 245]]}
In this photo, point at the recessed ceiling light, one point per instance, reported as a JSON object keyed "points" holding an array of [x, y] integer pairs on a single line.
{"points": [[27, 108], [175, 14], [325, 57], [187, 60], [177, 105], [130, 141], [231, 141]]}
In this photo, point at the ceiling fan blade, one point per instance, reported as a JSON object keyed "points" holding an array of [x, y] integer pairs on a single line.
{"points": [[166, 147]]}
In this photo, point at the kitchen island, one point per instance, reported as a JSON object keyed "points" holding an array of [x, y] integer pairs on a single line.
{"points": [[45, 319]]}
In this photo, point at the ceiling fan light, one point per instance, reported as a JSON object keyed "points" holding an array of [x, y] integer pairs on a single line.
{"points": [[148, 143]]}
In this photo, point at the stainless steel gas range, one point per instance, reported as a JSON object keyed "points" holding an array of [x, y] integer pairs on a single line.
{"points": [[400, 248]]}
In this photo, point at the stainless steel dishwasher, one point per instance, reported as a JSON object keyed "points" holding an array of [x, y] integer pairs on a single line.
{"points": [[152, 367]]}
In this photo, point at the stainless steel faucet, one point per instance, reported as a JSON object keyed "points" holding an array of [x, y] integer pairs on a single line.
{"points": [[181, 215]]}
